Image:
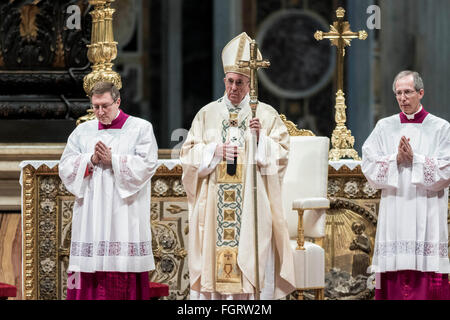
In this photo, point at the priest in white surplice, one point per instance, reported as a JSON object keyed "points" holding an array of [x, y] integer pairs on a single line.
{"points": [[107, 164], [221, 230], [407, 156]]}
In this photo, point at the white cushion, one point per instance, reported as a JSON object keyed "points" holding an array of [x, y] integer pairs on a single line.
{"points": [[309, 265], [311, 203], [307, 171], [314, 223], [292, 221]]}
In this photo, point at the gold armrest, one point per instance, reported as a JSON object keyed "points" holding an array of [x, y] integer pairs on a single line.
{"points": [[301, 230]]}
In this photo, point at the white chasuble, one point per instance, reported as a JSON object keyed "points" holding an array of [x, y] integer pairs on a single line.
{"points": [[412, 219], [221, 228], [111, 214]]}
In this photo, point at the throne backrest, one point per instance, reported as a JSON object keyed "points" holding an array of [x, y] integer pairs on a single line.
{"points": [[306, 175]]}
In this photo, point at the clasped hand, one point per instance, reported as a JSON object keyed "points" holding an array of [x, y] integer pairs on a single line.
{"points": [[405, 153], [226, 151], [101, 154]]}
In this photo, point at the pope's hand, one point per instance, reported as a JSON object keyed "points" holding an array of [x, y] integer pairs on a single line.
{"points": [[226, 151], [255, 125]]}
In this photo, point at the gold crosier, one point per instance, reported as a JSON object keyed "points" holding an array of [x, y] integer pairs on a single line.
{"points": [[254, 64], [340, 36], [101, 51]]}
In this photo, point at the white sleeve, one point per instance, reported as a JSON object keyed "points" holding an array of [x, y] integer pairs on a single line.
{"points": [[432, 172], [273, 147], [133, 171], [261, 158], [209, 161], [379, 167], [72, 166]]}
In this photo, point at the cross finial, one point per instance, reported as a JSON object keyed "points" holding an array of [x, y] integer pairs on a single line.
{"points": [[254, 64], [340, 36], [340, 12]]}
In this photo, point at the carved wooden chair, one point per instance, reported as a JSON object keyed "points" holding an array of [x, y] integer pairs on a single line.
{"points": [[305, 201]]}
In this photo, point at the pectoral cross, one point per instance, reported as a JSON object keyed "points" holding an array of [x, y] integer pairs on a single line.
{"points": [[254, 64], [341, 36]]}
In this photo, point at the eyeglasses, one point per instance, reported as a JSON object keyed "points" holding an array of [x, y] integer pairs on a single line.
{"points": [[104, 106], [238, 83], [407, 93]]}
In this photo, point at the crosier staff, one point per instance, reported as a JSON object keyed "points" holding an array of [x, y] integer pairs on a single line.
{"points": [[254, 64]]}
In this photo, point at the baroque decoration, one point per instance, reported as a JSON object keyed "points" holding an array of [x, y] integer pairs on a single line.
{"points": [[350, 235], [41, 55], [35, 35], [47, 232]]}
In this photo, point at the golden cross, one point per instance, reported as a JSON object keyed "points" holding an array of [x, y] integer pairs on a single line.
{"points": [[340, 36], [254, 64]]}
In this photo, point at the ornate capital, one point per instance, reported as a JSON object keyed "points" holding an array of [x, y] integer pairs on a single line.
{"points": [[103, 49]]}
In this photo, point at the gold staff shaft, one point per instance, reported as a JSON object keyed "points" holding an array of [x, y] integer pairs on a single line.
{"points": [[254, 64]]}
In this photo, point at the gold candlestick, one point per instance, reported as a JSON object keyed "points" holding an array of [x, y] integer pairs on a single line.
{"points": [[102, 50]]}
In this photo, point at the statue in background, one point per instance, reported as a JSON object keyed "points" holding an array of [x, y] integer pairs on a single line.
{"points": [[361, 260]]}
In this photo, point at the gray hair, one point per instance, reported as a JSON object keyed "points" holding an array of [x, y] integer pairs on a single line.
{"points": [[418, 82], [103, 87]]}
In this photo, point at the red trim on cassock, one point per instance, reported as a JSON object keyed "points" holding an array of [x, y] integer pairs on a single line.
{"points": [[7, 291], [87, 172], [117, 123], [418, 117]]}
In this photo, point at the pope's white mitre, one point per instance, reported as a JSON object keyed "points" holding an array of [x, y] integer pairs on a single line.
{"points": [[235, 50]]}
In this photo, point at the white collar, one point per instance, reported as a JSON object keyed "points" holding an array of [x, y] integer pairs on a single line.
{"points": [[411, 116], [241, 105]]}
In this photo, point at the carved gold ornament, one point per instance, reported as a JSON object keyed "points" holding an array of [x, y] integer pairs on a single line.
{"points": [[103, 48], [292, 128], [102, 51]]}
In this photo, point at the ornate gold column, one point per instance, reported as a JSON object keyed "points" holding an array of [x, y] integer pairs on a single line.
{"points": [[102, 50]]}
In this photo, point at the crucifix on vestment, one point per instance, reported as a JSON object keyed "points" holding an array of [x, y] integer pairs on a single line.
{"points": [[254, 64], [341, 36]]}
